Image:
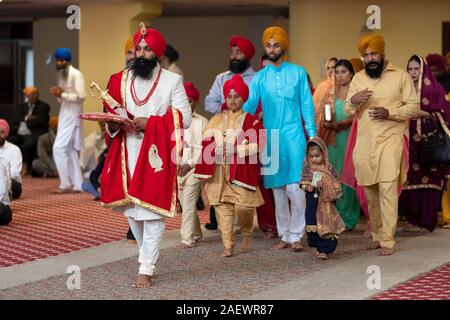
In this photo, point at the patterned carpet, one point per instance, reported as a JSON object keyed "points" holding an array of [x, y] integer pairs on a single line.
{"points": [[433, 285], [47, 225], [197, 273]]}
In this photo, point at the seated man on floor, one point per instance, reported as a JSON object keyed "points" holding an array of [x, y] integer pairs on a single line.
{"points": [[11, 158], [32, 122], [44, 166], [5, 186], [93, 184]]}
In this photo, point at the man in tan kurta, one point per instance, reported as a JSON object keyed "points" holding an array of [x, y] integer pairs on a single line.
{"points": [[383, 96]]}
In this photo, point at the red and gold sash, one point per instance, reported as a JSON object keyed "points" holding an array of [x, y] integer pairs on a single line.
{"points": [[244, 172], [154, 182]]}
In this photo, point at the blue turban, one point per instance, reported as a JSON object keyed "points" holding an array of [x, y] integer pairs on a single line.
{"points": [[63, 54]]}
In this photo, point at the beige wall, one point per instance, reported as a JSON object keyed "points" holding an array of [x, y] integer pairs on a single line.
{"points": [[49, 34], [203, 44], [323, 28]]}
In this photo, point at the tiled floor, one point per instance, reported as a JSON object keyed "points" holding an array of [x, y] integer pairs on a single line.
{"points": [[197, 273], [46, 225]]}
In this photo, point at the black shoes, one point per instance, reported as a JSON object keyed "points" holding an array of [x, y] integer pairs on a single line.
{"points": [[200, 203], [211, 226]]}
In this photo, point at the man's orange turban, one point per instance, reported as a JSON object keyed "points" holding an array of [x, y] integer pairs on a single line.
{"points": [[373, 42], [278, 34], [357, 64], [128, 45], [53, 122], [30, 90]]}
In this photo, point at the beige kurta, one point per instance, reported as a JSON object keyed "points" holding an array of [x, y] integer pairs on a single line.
{"points": [[218, 188], [378, 151]]}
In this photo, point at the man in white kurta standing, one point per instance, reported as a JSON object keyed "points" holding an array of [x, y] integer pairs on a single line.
{"points": [[71, 93], [149, 91]]}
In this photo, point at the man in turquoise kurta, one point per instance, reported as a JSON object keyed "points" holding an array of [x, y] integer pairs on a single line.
{"points": [[283, 90]]}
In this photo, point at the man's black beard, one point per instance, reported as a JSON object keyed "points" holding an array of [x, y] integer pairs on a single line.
{"points": [[375, 73], [143, 68], [238, 66], [276, 57], [2, 142]]}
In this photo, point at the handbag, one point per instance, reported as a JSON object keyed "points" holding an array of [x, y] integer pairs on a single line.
{"points": [[434, 147]]}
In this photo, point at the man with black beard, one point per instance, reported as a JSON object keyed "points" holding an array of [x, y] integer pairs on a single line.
{"points": [[288, 112], [242, 51], [143, 67], [71, 93], [383, 97], [155, 99]]}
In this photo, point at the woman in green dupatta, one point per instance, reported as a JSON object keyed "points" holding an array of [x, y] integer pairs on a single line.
{"points": [[335, 134]]}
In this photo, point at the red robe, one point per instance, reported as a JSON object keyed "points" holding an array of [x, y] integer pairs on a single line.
{"points": [[243, 172], [154, 182]]}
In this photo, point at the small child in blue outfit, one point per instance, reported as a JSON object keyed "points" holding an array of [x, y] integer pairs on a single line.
{"points": [[322, 188]]}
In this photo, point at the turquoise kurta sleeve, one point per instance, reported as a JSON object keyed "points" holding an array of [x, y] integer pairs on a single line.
{"points": [[254, 96], [307, 106]]}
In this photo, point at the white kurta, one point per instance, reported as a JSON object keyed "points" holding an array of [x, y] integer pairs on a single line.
{"points": [[147, 225], [69, 138], [169, 92], [5, 184], [11, 157], [189, 186]]}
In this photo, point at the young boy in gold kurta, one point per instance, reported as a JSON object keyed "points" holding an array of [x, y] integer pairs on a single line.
{"points": [[226, 193]]}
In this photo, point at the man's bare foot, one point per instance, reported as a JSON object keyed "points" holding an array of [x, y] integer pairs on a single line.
{"points": [[297, 246], [322, 256], [446, 226], [142, 281], [373, 246], [184, 246], [367, 234], [246, 244], [131, 242], [280, 245], [270, 235], [386, 251], [227, 252]]}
